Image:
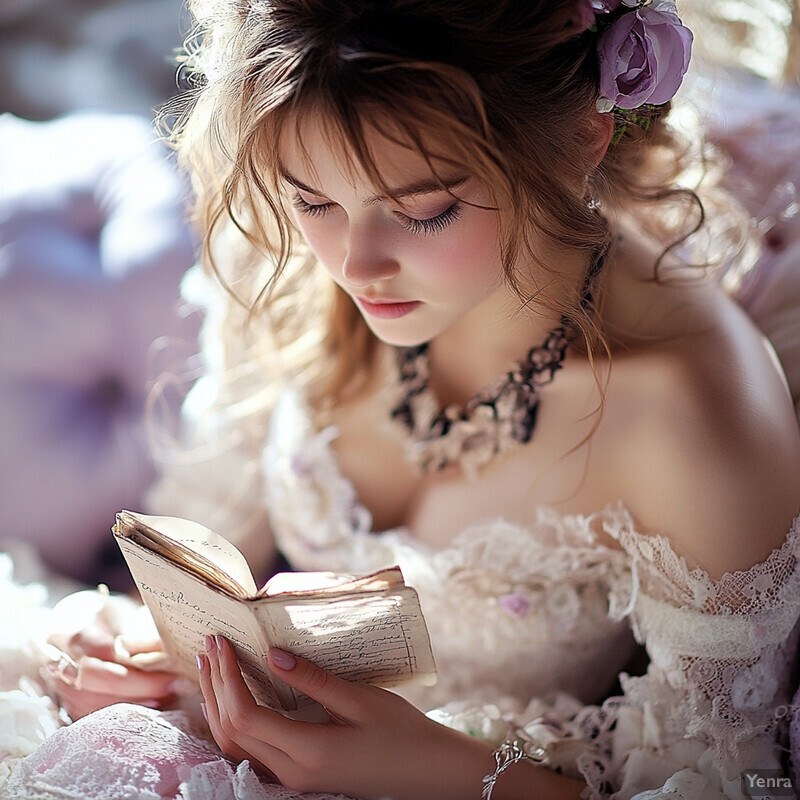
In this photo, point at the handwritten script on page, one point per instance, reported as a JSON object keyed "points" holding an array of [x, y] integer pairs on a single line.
{"points": [[363, 628]]}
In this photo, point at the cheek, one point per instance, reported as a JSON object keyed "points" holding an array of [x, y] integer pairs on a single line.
{"points": [[471, 254], [320, 234]]}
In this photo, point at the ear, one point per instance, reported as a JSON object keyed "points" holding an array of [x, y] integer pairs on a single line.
{"points": [[601, 130]]}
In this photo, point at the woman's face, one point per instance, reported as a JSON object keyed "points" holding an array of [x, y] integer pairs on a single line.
{"points": [[416, 266]]}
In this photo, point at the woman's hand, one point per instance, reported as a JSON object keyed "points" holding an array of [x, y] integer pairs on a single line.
{"points": [[374, 744], [93, 665]]}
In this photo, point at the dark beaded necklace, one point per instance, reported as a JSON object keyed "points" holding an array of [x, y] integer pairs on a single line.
{"points": [[499, 417]]}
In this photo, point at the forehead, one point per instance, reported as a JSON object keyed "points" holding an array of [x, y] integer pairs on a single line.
{"points": [[315, 149]]}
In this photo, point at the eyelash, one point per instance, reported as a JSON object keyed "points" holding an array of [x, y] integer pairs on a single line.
{"points": [[433, 225], [312, 209], [419, 227]]}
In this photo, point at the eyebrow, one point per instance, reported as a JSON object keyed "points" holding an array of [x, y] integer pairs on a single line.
{"points": [[427, 186]]}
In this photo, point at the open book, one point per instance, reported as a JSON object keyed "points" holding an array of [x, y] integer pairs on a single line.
{"points": [[367, 629]]}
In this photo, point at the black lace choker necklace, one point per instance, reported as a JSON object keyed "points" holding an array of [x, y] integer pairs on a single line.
{"points": [[501, 416]]}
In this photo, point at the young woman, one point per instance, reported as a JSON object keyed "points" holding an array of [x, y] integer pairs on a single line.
{"points": [[450, 327]]}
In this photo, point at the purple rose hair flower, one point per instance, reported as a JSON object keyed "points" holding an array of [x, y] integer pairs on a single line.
{"points": [[643, 57]]}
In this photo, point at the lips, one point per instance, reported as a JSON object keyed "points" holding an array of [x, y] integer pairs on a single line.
{"points": [[386, 308]]}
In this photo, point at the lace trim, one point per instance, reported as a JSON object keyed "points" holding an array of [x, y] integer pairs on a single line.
{"points": [[693, 633], [320, 512], [663, 574]]}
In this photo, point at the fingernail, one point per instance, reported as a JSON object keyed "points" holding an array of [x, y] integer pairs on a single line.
{"points": [[121, 648], [201, 662], [126, 643], [282, 659], [205, 711], [147, 661], [65, 671], [219, 642], [210, 644]]}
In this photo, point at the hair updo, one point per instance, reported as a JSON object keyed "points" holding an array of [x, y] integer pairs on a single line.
{"points": [[505, 89]]}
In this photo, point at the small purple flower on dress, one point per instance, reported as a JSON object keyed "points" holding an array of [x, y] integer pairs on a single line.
{"points": [[643, 57], [300, 465], [515, 604]]}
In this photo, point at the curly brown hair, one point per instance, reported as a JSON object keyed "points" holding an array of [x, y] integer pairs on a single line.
{"points": [[507, 90]]}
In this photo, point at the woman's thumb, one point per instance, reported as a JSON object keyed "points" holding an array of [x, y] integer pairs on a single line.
{"points": [[319, 684]]}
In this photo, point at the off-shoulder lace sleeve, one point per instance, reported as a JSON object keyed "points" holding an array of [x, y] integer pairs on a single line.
{"points": [[715, 699]]}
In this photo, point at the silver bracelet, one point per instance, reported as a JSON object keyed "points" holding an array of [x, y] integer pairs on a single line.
{"points": [[509, 753]]}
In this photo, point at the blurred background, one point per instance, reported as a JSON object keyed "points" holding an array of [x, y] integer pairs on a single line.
{"points": [[60, 55], [93, 246]]}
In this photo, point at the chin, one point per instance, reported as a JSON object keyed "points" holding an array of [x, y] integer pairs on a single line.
{"points": [[402, 336], [400, 341]]}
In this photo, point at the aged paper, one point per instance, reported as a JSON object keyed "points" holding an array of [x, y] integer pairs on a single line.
{"points": [[367, 629], [372, 637], [193, 546], [185, 610]]}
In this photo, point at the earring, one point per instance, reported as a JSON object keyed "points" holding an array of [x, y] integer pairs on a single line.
{"points": [[593, 204]]}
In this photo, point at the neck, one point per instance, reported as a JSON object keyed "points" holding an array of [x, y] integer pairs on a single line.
{"points": [[481, 345], [475, 351]]}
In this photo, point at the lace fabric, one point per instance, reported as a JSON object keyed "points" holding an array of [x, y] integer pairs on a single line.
{"points": [[540, 611], [530, 625], [125, 751]]}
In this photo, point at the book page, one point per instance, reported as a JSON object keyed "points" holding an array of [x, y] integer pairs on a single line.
{"points": [[367, 628], [186, 608], [193, 546], [375, 637], [322, 583]]}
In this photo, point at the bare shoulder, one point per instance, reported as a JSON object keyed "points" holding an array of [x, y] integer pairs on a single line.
{"points": [[707, 441]]}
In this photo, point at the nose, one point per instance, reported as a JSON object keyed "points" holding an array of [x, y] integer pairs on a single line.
{"points": [[369, 257]]}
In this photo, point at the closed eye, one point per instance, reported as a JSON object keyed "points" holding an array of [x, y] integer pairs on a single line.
{"points": [[312, 209], [427, 226], [431, 225]]}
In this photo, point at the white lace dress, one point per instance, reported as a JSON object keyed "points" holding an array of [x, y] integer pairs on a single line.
{"points": [[530, 623], [530, 626]]}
